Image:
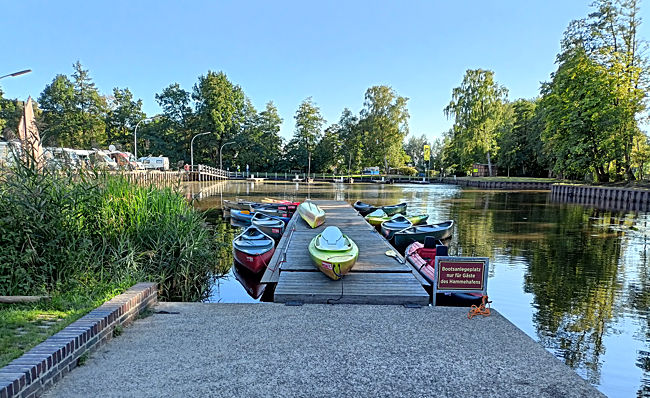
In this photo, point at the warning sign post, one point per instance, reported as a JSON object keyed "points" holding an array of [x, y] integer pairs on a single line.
{"points": [[460, 275]]}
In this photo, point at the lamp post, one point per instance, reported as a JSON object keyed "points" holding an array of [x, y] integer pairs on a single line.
{"points": [[221, 154], [22, 72], [135, 136], [192, 148]]}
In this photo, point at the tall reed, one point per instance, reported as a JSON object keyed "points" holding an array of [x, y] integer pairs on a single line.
{"points": [[58, 229]]}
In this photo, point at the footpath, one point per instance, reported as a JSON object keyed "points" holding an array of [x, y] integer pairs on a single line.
{"points": [[273, 350]]}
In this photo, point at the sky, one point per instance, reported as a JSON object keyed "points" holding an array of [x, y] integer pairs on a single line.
{"points": [[286, 51]]}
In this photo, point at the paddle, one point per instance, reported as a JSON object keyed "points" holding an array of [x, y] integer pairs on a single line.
{"points": [[392, 253]]}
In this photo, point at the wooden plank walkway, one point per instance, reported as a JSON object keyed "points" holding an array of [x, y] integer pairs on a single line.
{"points": [[374, 279]]}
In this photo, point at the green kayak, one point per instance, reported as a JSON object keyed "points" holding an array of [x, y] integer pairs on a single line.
{"points": [[333, 253], [379, 216]]}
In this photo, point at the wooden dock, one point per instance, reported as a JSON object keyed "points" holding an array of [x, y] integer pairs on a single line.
{"points": [[374, 279]]}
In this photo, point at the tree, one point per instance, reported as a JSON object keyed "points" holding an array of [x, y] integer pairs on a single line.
{"points": [[90, 110], [436, 162], [608, 39], [268, 122], [327, 156], [351, 136], [171, 134], [220, 107], [73, 111], [612, 43], [58, 104], [580, 116], [520, 144], [309, 123], [123, 114], [415, 149], [384, 121], [477, 107], [11, 110]]}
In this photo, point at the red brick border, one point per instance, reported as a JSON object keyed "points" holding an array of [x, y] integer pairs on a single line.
{"points": [[43, 365]]}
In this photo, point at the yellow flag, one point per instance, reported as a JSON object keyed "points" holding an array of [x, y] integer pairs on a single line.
{"points": [[427, 153]]}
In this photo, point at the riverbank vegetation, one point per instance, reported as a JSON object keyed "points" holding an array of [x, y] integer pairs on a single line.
{"points": [[64, 230], [584, 125], [83, 238]]}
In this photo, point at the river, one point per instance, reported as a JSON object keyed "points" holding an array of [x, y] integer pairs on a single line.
{"points": [[574, 278]]}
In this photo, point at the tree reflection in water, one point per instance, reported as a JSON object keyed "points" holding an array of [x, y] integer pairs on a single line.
{"points": [[582, 273]]}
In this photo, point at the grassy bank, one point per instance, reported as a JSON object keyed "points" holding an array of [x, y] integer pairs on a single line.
{"points": [[84, 238], [23, 326]]}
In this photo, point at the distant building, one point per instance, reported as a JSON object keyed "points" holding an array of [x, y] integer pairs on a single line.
{"points": [[371, 171], [482, 170]]}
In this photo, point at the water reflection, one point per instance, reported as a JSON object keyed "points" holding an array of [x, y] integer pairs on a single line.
{"points": [[574, 278]]}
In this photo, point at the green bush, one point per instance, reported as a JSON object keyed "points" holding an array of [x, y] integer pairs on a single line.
{"points": [[405, 170], [63, 229]]}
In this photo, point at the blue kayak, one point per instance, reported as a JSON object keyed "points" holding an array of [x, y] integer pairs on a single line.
{"points": [[243, 216]]}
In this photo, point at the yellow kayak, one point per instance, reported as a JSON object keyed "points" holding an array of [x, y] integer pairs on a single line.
{"points": [[333, 253], [312, 214], [379, 216]]}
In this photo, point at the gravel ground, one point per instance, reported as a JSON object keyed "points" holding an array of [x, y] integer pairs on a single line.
{"points": [[272, 350]]}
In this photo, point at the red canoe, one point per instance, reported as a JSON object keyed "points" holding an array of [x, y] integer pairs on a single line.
{"points": [[424, 260], [253, 249]]}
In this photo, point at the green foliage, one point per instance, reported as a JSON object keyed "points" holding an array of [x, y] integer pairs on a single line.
{"points": [[328, 156], [414, 148], [221, 108], [172, 133], [309, 123], [58, 230], [351, 136], [10, 112], [259, 144], [123, 115], [603, 53], [25, 325], [437, 148], [384, 122], [404, 170], [580, 117], [478, 108], [520, 145], [74, 111]]}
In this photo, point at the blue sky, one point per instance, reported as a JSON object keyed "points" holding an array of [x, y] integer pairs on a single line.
{"points": [[286, 51]]}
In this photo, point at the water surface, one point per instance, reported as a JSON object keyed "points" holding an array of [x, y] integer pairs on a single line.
{"points": [[574, 278]]}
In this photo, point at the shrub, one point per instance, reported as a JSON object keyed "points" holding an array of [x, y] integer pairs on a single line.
{"points": [[405, 170]]}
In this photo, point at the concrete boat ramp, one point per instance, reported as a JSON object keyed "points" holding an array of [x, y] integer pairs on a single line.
{"points": [[319, 350]]}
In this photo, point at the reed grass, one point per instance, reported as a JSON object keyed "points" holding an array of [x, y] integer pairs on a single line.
{"points": [[69, 229]]}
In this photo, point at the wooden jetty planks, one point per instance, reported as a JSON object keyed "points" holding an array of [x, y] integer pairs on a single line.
{"points": [[374, 279], [272, 272], [354, 288]]}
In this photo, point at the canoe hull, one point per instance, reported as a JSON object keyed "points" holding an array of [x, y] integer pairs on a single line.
{"points": [[274, 232], [403, 239], [395, 209], [363, 208], [253, 262], [242, 216], [249, 281], [423, 260], [415, 220], [313, 215], [333, 264]]}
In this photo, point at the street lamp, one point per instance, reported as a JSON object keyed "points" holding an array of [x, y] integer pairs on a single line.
{"points": [[22, 72], [192, 148], [135, 136], [221, 153]]}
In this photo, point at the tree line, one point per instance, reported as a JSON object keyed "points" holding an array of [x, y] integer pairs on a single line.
{"points": [[585, 123], [71, 112]]}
